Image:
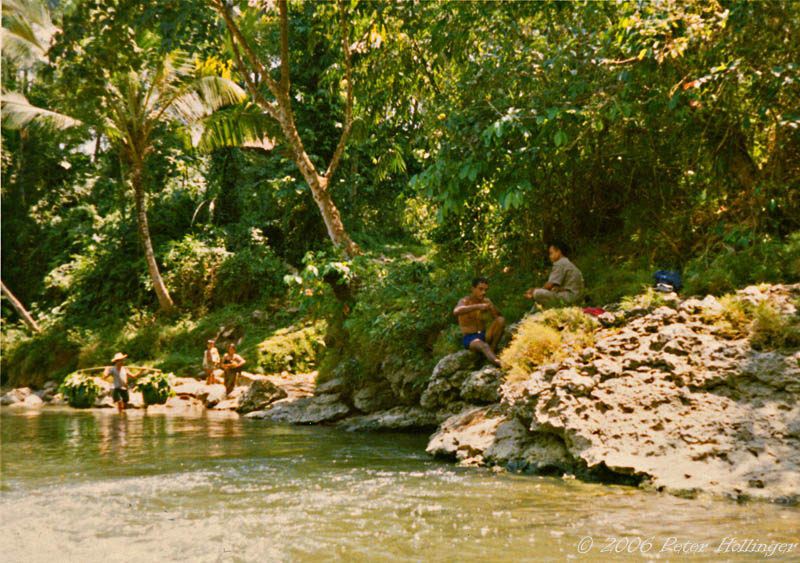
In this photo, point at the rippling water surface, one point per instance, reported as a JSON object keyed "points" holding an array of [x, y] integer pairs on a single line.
{"points": [[96, 486]]}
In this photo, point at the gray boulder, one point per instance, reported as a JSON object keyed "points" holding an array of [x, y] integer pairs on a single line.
{"points": [[374, 397], [211, 395], [259, 395], [447, 378], [310, 410], [15, 396], [466, 435], [337, 386], [395, 419]]}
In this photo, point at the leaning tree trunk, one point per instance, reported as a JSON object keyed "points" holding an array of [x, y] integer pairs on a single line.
{"points": [[281, 111], [26, 317], [164, 299], [318, 184]]}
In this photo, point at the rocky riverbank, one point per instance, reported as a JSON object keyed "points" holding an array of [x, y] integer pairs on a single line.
{"points": [[670, 396], [665, 397]]}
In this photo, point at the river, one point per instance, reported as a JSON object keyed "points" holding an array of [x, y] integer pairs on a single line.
{"points": [[95, 486]]}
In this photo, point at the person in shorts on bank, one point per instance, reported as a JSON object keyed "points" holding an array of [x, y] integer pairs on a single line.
{"points": [[120, 374], [472, 312], [232, 364], [565, 284], [210, 362]]}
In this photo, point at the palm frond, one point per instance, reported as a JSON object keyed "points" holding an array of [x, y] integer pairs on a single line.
{"points": [[236, 126], [218, 92], [18, 113], [27, 31]]}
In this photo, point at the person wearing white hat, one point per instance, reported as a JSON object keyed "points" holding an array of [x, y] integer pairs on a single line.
{"points": [[120, 375]]}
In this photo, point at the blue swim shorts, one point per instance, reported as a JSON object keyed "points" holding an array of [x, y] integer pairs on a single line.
{"points": [[467, 338]]}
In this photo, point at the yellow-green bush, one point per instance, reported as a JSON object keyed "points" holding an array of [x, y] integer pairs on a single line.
{"points": [[533, 344], [547, 337], [772, 330], [764, 325]]}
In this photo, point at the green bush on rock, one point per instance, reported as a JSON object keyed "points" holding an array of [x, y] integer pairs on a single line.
{"points": [[81, 390], [155, 387], [291, 349]]}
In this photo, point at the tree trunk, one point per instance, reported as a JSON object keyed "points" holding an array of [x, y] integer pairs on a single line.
{"points": [[317, 183], [164, 299], [26, 317], [281, 111]]}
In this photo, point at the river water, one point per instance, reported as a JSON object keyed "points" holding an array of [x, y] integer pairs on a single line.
{"points": [[96, 486]]}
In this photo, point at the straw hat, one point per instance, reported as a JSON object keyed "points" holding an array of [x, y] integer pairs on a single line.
{"points": [[118, 356]]}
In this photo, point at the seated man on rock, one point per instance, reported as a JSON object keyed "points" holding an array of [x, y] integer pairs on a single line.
{"points": [[565, 284], [471, 319]]}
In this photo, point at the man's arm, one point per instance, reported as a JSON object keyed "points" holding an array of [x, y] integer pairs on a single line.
{"points": [[553, 281], [463, 309], [493, 309]]}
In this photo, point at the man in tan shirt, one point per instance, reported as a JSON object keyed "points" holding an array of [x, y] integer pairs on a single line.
{"points": [[471, 312], [565, 284]]}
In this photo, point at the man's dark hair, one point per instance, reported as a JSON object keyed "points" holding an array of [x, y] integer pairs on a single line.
{"points": [[480, 279], [560, 245]]}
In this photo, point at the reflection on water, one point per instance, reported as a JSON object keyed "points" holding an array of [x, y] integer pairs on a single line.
{"points": [[96, 486]]}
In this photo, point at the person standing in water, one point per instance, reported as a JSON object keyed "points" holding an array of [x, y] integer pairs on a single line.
{"points": [[120, 374]]}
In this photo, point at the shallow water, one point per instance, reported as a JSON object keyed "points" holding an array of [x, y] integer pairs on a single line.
{"points": [[96, 486]]}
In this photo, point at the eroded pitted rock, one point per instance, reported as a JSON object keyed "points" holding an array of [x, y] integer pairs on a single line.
{"points": [[467, 435], [482, 386], [666, 397], [15, 396], [448, 376], [403, 380]]}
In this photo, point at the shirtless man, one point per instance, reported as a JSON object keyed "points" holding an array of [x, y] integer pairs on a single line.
{"points": [[232, 364], [469, 312]]}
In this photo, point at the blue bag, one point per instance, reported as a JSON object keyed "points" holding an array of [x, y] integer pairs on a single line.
{"points": [[669, 277]]}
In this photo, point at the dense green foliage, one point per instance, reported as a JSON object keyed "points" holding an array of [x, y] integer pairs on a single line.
{"points": [[80, 390], [156, 387], [647, 135]]}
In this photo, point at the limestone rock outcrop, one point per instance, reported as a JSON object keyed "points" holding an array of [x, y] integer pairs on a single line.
{"points": [[665, 399]]}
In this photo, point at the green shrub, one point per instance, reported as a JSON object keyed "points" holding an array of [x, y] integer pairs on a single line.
{"points": [[770, 329], [647, 299], [251, 273], [156, 387], [80, 390], [291, 349], [31, 361], [190, 271], [607, 281], [768, 261], [762, 324]]}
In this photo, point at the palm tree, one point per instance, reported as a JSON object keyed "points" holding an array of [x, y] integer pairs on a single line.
{"points": [[131, 107], [135, 103]]}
